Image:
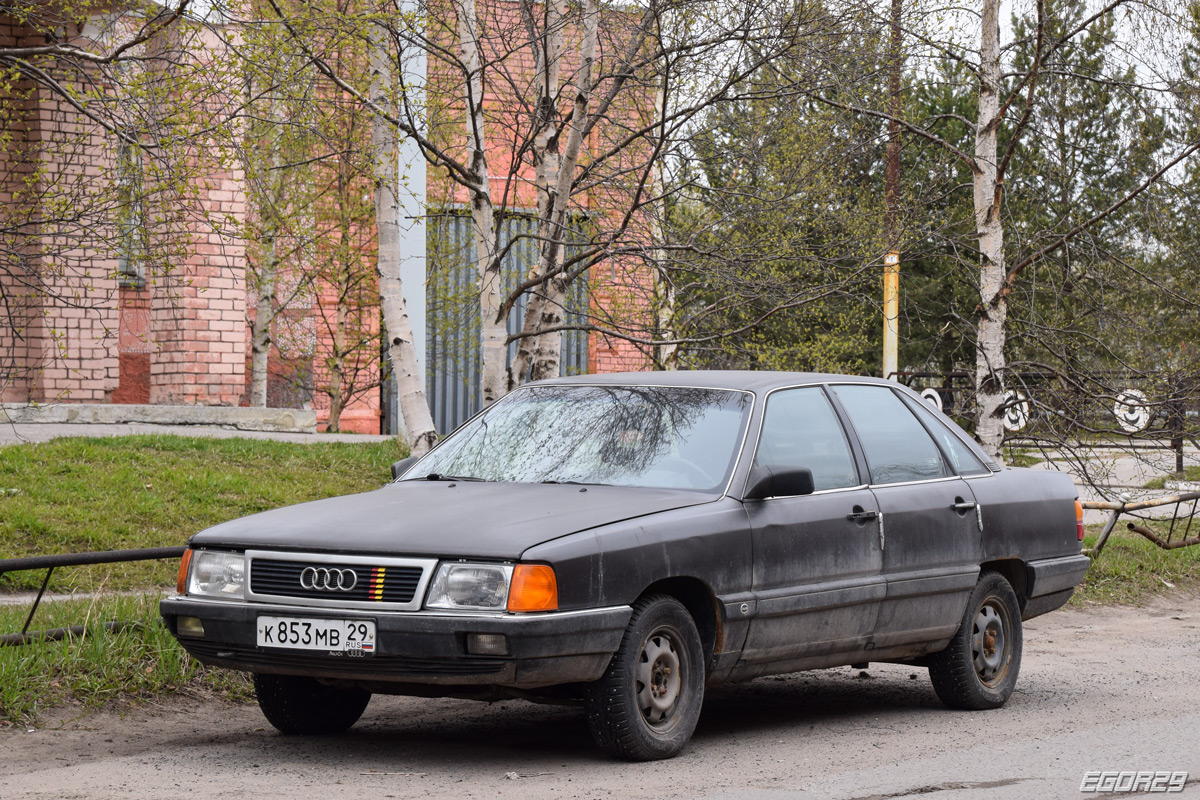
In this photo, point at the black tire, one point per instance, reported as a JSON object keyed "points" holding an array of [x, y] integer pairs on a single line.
{"points": [[979, 668], [305, 706], [646, 705]]}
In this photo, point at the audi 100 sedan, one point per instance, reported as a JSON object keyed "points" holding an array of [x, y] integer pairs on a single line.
{"points": [[626, 541]]}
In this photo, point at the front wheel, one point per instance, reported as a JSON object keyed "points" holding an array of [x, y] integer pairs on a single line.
{"points": [[646, 705], [305, 706], [979, 668]]}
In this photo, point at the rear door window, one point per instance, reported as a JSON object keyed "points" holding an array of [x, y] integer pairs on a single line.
{"points": [[896, 444]]}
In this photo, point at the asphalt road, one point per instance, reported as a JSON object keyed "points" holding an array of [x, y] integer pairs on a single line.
{"points": [[1101, 689]]}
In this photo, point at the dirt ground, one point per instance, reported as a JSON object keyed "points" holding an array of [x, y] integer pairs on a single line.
{"points": [[1100, 689]]}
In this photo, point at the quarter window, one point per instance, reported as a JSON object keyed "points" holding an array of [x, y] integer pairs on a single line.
{"points": [[800, 430], [962, 459], [897, 446]]}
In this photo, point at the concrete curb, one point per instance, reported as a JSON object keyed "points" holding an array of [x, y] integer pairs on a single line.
{"points": [[286, 420]]}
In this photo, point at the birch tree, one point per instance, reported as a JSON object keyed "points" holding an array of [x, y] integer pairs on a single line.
{"points": [[1007, 101], [414, 408], [581, 103]]}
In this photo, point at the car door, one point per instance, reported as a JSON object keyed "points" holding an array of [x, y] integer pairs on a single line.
{"points": [[932, 544], [817, 559]]}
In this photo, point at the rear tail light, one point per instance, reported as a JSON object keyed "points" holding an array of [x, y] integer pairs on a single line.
{"points": [[1079, 520]]}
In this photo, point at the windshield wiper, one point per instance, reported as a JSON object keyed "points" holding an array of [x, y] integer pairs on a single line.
{"points": [[435, 476]]}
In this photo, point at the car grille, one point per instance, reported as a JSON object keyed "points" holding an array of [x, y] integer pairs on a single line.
{"points": [[381, 584], [338, 581]]}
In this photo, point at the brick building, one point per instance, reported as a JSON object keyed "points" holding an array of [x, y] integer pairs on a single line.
{"points": [[81, 321]]}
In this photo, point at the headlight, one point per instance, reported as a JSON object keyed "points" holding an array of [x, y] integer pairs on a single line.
{"points": [[216, 574], [477, 587]]}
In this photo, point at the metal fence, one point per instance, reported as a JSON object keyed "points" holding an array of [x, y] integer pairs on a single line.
{"points": [[452, 352], [51, 563], [1149, 411], [1178, 531]]}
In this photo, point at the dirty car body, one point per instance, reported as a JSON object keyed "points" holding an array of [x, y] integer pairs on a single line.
{"points": [[626, 540]]}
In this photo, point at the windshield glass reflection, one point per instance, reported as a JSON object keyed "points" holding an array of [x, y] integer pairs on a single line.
{"points": [[663, 437]]}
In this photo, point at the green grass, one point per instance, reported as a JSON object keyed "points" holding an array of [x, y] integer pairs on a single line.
{"points": [[78, 495], [1015, 457], [100, 667], [1190, 473], [1131, 570]]}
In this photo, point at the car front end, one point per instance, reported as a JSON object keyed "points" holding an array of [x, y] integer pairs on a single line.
{"points": [[387, 621]]}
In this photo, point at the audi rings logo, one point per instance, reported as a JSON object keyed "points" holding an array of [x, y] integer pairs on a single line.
{"points": [[322, 579]]}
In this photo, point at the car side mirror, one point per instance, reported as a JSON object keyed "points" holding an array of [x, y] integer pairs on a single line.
{"points": [[401, 466], [779, 482]]}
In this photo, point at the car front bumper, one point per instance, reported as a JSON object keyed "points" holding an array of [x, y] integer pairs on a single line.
{"points": [[420, 647]]}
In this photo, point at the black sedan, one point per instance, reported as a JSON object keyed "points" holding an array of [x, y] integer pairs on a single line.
{"points": [[625, 540]]}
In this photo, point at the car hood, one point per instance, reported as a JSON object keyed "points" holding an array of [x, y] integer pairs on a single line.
{"points": [[438, 518]]}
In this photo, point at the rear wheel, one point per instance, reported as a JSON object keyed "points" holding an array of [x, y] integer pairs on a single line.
{"points": [[646, 705], [979, 668], [298, 705]]}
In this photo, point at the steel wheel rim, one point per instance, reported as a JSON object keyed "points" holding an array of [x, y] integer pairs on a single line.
{"points": [[991, 643], [659, 678]]}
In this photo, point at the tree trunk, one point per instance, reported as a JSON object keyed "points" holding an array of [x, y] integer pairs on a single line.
{"points": [[260, 330], [342, 279], [993, 301], [337, 366], [547, 161], [494, 373], [414, 408], [540, 354], [271, 199]]}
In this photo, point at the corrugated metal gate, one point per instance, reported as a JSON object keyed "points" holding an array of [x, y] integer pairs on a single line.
{"points": [[452, 352]]}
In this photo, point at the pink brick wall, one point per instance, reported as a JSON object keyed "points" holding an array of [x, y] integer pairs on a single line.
{"points": [[58, 334], [198, 314], [63, 341]]}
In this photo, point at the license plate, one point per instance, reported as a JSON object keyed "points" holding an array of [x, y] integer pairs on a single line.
{"points": [[350, 637]]}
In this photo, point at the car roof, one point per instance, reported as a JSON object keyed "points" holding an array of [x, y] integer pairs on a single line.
{"points": [[747, 380]]}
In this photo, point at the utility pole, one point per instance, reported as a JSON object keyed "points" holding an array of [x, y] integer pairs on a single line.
{"points": [[891, 261]]}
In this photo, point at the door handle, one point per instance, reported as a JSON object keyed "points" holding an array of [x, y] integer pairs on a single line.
{"points": [[859, 515], [962, 506]]}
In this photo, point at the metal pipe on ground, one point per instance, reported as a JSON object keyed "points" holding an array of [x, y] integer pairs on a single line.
{"points": [[58, 634]]}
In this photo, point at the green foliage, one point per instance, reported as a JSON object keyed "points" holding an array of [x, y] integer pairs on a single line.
{"points": [[781, 210], [100, 667], [77, 495], [307, 157], [1191, 473], [1132, 570]]}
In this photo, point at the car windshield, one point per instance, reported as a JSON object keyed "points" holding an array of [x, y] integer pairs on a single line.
{"points": [[663, 437]]}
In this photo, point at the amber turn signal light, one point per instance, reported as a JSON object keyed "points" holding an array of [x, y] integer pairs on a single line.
{"points": [[1079, 520], [181, 581], [534, 588]]}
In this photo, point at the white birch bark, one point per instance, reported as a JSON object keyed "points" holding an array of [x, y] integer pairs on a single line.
{"points": [[260, 330], [540, 354], [665, 356], [988, 195], [547, 44], [494, 331], [414, 408], [271, 198]]}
